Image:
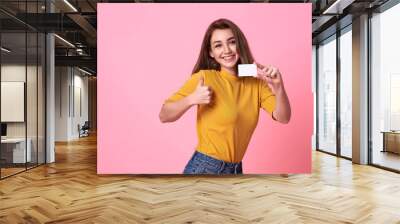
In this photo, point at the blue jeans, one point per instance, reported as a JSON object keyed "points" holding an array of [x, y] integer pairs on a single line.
{"points": [[202, 164]]}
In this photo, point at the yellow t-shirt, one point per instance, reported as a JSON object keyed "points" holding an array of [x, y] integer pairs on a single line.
{"points": [[225, 126]]}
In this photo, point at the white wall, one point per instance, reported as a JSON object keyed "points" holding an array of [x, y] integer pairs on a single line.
{"points": [[80, 103], [71, 92], [62, 81], [13, 73]]}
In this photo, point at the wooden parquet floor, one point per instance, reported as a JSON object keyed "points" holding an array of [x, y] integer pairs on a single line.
{"points": [[70, 191]]}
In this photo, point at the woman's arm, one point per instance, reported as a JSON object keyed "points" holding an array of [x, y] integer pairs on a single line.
{"points": [[172, 111], [282, 112], [273, 78]]}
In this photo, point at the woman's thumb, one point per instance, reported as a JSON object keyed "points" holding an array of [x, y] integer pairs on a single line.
{"points": [[201, 81]]}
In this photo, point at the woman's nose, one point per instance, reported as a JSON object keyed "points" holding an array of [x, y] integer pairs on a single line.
{"points": [[227, 49]]}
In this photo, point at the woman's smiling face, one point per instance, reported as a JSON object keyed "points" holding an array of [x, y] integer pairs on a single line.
{"points": [[223, 49]]}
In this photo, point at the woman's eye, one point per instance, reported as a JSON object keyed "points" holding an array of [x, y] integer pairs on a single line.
{"points": [[216, 46], [233, 42]]}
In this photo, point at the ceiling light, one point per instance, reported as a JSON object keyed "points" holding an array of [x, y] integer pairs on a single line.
{"points": [[5, 50], [64, 40], [329, 9], [84, 71], [338, 6], [70, 5]]}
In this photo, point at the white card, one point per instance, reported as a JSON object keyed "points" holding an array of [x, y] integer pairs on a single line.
{"points": [[247, 70]]}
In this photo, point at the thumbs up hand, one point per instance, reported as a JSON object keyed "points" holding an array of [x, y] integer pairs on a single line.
{"points": [[202, 94]]}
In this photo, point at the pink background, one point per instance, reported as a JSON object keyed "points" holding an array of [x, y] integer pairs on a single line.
{"points": [[147, 51]]}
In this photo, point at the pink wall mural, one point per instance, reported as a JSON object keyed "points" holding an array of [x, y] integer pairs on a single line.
{"points": [[147, 51]]}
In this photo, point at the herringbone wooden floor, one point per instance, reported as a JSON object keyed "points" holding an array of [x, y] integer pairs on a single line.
{"points": [[70, 191]]}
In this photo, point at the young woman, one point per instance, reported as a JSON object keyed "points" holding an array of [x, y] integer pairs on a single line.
{"points": [[227, 105]]}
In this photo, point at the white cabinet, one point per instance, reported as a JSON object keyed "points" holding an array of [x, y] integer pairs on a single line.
{"points": [[18, 149]]}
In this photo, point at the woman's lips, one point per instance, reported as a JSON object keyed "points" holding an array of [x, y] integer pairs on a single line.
{"points": [[229, 58]]}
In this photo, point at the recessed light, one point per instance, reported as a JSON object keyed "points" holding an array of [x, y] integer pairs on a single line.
{"points": [[70, 5], [5, 50], [84, 71], [64, 40]]}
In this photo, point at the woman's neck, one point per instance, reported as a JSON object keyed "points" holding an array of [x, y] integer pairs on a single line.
{"points": [[230, 71]]}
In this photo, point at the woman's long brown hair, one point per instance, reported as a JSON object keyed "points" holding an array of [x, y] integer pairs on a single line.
{"points": [[205, 61]]}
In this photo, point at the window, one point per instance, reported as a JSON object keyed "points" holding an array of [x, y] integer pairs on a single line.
{"points": [[385, 88], [346, 92], [327, 95]]}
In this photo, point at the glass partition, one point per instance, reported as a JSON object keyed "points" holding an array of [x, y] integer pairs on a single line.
{"points": [[22, 88], [327, 95], [13, 104]]}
